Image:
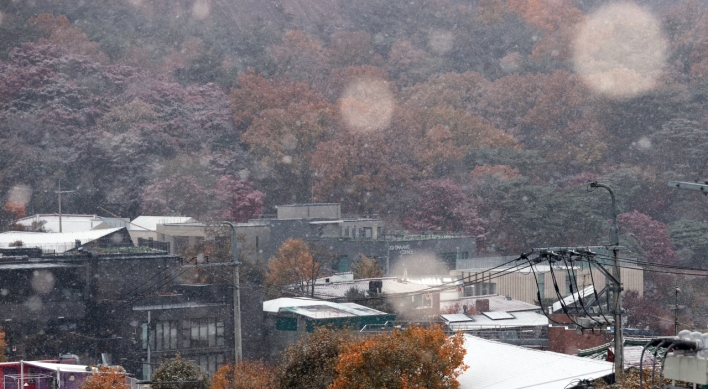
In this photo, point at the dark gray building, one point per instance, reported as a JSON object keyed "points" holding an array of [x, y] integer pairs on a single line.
{"points": [[346, 237], [135, 304]]}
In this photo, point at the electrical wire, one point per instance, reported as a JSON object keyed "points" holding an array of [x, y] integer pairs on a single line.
{"points": [[594, 290], [538, 295], [580, 297], [560, 299]]}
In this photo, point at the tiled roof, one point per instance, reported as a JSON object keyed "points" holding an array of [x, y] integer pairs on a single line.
{"points": [[495, 365]]}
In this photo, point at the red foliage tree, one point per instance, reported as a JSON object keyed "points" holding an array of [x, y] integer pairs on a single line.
{"points": [[240, 201], [651, 235]]}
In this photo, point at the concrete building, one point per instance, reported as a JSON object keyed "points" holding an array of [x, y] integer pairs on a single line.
{"points": [[145, 227], [520, 284], [324, 225]]}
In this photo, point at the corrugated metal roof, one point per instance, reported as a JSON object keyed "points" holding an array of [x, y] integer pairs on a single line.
{"points": [[57, 241], [149, 223], [390, 285], [495, 365]]}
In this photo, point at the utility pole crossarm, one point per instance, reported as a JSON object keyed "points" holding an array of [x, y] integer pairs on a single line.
{"points": [[690, 186]]}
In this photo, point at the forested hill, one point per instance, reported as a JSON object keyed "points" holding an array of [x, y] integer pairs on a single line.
{"points": [[488, 118]]}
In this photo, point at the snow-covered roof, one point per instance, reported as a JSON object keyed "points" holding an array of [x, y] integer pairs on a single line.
{"points": [[149, 223], [495, 365], [318, 309], [496, 303], [478, 322], [62, 367], [69, 222], [390, 286], [57, 241]]}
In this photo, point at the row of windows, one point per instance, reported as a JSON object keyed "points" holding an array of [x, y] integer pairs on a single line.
{"points": [[182, 334], [206, 363], [364, 232]]}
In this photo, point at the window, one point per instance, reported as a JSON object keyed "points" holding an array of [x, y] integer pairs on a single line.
{"points": [[367, 232], [542, 285], [209, 363], [202, 333], [164, 336], [173, 334], [483, 288]]}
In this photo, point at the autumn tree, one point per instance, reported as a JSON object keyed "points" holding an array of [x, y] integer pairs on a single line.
{"points": [[651, 234], [106, 377], [60, 32], [301, 57], [176, 196], [310, 362], [244, 375], [3, 345], [416, 357], [239, 200], [366, 267], [293, 266], [178, 369], [443, 206], [362, 171]]}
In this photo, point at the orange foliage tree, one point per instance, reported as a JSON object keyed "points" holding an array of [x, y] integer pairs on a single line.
{"points": [[360, 171], [3, 344], [106, 378], [366, 267], [244, 375], [294, 265], [62, 33], [414, 358]]}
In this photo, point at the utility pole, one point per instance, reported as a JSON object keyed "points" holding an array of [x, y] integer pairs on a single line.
{"points": [[238, 356], [617, 287], [238, 353], [676, 308], [59, 192]]}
